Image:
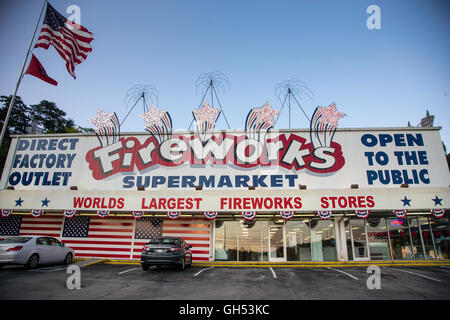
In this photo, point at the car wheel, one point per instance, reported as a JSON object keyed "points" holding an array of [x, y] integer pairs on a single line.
{"points": [[68, 260], [145, 267], [33, 261]]}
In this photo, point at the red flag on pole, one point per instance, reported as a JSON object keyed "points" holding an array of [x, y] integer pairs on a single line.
{"points": [[71, 40], [36, 69]]}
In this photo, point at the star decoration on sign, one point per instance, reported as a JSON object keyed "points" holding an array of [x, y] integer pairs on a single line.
{"points": [[102, 119], [266, 114], [152, 117], [45, 202], [406, 201], [19, 202], [437, 201], [331, 115], [206, 114]]}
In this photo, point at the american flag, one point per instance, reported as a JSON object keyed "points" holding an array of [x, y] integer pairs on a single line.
{"points": [[44, 225], [10, 226], [111, 237], [97, 237], [196, 232], [71, 40]]}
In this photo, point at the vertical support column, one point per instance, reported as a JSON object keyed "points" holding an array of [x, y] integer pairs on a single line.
{"points": [[341, 240]]}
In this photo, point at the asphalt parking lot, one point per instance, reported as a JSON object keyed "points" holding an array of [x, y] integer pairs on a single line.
{"points": [[103, 281]]}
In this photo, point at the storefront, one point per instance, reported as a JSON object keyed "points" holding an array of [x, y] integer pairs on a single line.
{"points": [[363, 194]]}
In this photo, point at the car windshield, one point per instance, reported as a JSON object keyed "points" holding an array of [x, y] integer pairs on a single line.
{"points": [[15, 240], [163, 241]]}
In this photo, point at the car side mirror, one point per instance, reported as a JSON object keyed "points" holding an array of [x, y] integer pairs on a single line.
{"points": [[63, 245], [190, 246]]}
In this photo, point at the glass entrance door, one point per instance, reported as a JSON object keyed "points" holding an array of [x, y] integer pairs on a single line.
{"points": [[277, 243]]}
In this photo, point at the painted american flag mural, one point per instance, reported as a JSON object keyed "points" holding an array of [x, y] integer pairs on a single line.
{"points": [[112, 237]]}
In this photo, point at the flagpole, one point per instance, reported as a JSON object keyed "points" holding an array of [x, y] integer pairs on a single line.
{"points": [[11, 103]]}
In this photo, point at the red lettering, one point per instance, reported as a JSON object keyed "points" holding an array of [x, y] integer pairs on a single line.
{"points": [[361, 201], [324, 201], [370, 202], [278, 203], [162, 203], [257, 202], [120, 203], [77, 202], [352, 202], [298, 203], [342, 201], [247, 205], [287, 203], [223, 201], [96, 203], [197, 202], [190, 203], [171, 204]]}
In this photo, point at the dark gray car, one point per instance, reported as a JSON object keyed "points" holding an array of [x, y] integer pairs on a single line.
{"points": [[166, 251]]}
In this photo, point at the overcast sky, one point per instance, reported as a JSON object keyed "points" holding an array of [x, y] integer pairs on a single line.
{"points": [[379, 78]]}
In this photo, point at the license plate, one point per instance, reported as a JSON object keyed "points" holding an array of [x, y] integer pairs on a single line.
{"points": [[160, 251]]}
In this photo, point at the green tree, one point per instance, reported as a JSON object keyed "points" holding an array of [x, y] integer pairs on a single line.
{"points": [[46, 116], [50, 118]]}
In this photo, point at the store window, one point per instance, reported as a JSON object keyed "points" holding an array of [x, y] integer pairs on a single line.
{"points": [[226, 240], [400, 239], [377, 236], [415, 238], [252, 240], [323, 242], [357, 231], [441, 232], [298, 241], [427, 237]]}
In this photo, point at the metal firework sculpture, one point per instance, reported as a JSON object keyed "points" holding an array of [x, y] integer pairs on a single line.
{"points": [[259, 122], [158, 123], [107, 127], [205, 116], [323, 125], [289, 90]]}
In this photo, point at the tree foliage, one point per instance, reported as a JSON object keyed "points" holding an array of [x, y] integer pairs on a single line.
{"points": [[44, 117]]}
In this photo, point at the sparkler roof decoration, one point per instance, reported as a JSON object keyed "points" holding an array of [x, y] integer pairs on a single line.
{"points": [[144, 93], [209, 82], [291, 89]]}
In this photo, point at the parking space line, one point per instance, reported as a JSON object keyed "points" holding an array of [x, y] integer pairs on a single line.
{"points": [[128, 270], [273, 272], [202, 271], [344, 273], [417, 274], [48, 269]]}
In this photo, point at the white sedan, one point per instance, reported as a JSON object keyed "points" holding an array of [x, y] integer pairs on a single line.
{"points": [[34, 250]]}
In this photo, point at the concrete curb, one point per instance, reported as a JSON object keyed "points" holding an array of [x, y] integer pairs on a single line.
{"points": [[308, 264]]}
